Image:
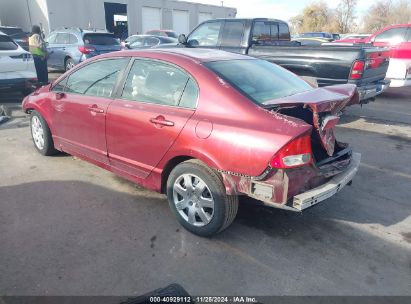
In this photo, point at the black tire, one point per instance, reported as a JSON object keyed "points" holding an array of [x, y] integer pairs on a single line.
{"points": [[69, 64], [48, 147], [225, 206]]}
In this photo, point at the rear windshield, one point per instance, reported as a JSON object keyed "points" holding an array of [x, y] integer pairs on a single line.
{"points": [[259, 80], [7, 44], [100, 39], [11, 31]]}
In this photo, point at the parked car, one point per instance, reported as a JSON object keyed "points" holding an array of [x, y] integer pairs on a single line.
{"points": [[336, 36], [310, 41], [17, 71], [203, 127], [165, 33], [322, 35], [70, 46], [148, 41], [398, 39], [354, 38], [269, 39], [17, 34]]}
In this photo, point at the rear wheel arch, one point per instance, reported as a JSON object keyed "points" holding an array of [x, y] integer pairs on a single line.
{"points": [[170, 165], [65, 62]]}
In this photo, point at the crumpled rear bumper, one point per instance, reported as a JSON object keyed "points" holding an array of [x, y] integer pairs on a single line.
{"points": [[320, 193], [295, 189]]}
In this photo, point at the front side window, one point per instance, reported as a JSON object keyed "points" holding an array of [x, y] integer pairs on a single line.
{"points": [[394, 35], [233, 33], [97, 78], [206, 34], [158, 83], [149, 42], [62, 38], [259, 80], [60, 86], [72, 39]]}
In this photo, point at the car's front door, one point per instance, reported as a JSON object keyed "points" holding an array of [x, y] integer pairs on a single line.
{"points": [[80, 107], [206, 35], [146, 119]]}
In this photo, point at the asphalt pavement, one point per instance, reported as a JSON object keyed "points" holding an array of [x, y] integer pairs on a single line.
{"points": [[70, 228]]}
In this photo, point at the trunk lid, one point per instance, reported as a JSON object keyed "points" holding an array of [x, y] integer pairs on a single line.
{"points": [[319, 107]]}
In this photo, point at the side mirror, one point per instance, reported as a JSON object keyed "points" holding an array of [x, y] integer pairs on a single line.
{"points": [[128, 46], [182, 39]]}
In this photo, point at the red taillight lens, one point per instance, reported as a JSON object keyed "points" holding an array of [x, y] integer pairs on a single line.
{"points": [[357, 69], [294, 154], [86, 49]]}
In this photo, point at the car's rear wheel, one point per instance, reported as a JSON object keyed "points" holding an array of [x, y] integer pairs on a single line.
{"points": [[197, 196], [41, 134], [69, 64]]}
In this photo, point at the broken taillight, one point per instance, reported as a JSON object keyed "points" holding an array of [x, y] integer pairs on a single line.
{"points": [[357, 69], [294, 154]]}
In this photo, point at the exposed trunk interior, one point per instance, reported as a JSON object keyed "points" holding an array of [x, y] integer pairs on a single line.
{"points": [[321, 157]]}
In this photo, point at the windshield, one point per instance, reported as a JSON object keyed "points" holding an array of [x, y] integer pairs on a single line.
{"points": [[100, 39], [6, 44], [259, 80]]}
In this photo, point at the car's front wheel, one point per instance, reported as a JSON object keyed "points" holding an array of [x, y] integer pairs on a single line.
{"points": [[41, 134], [197, 196]]}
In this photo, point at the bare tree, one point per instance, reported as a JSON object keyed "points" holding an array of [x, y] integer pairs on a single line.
{"points": [[387, 12], [345, 16]]}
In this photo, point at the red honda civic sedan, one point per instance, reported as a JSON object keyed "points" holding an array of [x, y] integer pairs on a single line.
{"points": [[203, 127]]}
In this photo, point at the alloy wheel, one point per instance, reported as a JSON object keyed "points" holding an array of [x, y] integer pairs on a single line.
{"points": [[37, 132]]}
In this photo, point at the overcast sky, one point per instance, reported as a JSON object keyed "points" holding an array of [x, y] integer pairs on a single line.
{"points": [[280, 9]]}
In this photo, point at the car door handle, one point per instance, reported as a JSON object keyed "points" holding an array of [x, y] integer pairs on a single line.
{"points": [[94, 108], [160, 120]]}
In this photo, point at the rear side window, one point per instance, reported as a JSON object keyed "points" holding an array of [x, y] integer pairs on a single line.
{"points": [[283, 32], [96, 79], [151, 41], [51, 39], [394, 35], [206, 34], [72, 39], [265, 31], [232, 33], [7, 44], [100, 39], [158, 83], [62, 38]]}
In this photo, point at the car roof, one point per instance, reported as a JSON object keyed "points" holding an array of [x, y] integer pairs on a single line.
{"points": [[199, 54]]}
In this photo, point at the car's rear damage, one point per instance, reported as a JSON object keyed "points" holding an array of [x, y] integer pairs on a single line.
{"points": [[301, 180]]}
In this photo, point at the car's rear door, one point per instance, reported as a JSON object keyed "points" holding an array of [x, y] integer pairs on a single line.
{"points": [[80, 107], [12, 58], [151, 110]]}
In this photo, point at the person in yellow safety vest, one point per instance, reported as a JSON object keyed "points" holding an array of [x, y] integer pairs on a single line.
{"points": [[38, 49]]}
